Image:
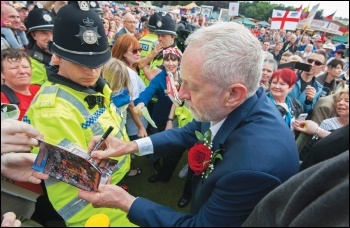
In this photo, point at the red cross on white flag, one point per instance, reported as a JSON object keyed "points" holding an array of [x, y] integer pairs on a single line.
{"points": [[287, 20]]}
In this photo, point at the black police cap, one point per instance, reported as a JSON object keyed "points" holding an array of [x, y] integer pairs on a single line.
{"points": [[152, 21], [165, 25], [39, 19], [79, 36]]}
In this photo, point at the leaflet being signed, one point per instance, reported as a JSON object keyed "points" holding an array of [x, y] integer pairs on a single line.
{"points": [[71, 164]]}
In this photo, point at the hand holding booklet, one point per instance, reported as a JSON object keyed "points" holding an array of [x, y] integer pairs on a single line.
{"points": [[73, 165]]}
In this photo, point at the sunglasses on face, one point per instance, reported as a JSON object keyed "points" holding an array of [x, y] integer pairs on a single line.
{"points": [[317, 63], [136, 50]]}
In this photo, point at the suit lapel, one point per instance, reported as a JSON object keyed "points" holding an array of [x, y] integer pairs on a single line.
{"points": [[198, 180]]}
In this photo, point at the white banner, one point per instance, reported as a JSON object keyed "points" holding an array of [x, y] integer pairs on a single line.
{"points": [[319, 25], [312, 14], [233, 9], [333, 28]]}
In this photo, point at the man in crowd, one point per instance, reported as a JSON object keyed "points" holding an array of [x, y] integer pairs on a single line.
{"points": [[129, 23], [265, 48], [307, 89], [22, 10], [220, 87], [13, 36], [291, 45]]}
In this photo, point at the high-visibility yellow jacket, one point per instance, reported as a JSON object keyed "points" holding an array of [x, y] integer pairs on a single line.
{"points": [[39, 75], [147, 44], [60, 113]]}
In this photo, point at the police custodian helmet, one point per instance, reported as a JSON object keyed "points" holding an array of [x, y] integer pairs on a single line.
{"points": [[94, 5], [152, 21], [39, 19], [165, 25], [79, 36]]}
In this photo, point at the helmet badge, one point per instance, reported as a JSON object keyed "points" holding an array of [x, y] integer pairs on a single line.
{"points": [[84, 5], [92, 4], [159, 24], [88, 34], [47, 17]]}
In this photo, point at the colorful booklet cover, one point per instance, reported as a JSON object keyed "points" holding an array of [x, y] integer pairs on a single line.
{"points": [[72, 165]]}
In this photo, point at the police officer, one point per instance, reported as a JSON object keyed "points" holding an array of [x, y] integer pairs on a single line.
{"points": [[74, 105], [183, 30], [165, 30], [39, 23], [148, 44]]}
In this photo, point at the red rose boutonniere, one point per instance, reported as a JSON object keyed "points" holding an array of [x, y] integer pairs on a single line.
{"points": [[200, 157]]}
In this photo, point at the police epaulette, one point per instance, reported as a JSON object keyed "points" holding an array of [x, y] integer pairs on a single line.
{"points": [[38, 56]]}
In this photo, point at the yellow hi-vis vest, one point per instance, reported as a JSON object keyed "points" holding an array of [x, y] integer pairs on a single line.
{"points": [[60, 113], [39, 75], [147, 44]]}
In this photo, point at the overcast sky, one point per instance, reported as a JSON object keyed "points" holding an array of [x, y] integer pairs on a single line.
{"points": [[328, 7]]}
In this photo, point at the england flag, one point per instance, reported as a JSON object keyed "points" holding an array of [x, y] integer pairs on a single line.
{"points": [[287, 20]]}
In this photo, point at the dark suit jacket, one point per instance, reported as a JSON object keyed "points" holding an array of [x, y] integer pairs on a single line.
{"points": [[259, 154], [315, 197], [121, 32], [332, 145]]}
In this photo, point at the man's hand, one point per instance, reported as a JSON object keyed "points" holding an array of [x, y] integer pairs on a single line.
{"points": [[111, 147], [111, 196], [158, 48], [18, 167], [17, 136], [310, 92]]}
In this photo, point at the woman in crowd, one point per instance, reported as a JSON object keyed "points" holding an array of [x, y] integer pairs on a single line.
{"points": [[127, 50], [282, 82], [270, 66], [307, 52], [16, 72], [163, 110], [341, 104], [107, 30], [158, 87]]}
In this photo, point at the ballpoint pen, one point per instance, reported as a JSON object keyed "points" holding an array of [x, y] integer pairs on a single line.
{"points": [[102, 139]]}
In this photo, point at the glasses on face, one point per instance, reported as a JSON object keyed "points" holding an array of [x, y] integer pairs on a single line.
{"points": [[135, 51], [317, 63], [133, 22]]}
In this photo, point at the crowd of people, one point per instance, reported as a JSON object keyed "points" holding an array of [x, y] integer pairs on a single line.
{"points": [[73, 69]]}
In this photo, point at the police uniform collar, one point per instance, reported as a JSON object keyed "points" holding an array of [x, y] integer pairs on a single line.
{"points": [[56, 78], [47, 56]]}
